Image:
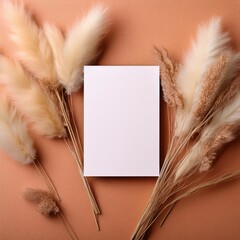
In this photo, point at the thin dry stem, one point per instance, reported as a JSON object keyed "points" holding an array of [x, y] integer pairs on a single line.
{"points": [[46, 178], [77, 157], [72, 235]]}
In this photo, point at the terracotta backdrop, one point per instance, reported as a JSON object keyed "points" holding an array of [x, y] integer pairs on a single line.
{"points": [[137, 25]]}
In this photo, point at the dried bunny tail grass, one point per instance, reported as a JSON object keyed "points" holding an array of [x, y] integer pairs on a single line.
{"points": [[209, 44], [14, 137], [222, 136], [33, 48], [46, 204], [168, 72], [82, 47], [56, 40], [30, 100], [217, 78]]}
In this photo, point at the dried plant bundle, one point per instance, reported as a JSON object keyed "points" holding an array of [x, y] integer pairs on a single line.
{"points": [[208, 120], [168, 73], [28, 97], [47, 206], [34, 50], [81, 47], [64, 59]]}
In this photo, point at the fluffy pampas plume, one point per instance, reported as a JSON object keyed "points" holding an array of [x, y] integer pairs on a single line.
{"points": [[209, 44], [30, 100], [14, 137], [81, 47], [168, 72], [33, 49], [47, 206]]}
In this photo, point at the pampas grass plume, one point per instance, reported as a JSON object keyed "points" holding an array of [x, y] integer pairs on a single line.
{"points": [[30, 100], [80, 48], [33, 49], [46, 204], [14, 137], [209, 44]]}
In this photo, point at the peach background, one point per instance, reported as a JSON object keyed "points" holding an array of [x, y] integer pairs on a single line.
{"points": [[136, 26]]}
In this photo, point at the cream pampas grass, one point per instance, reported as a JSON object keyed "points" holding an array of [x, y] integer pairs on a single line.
{"points": [[33, 49], [28, 97], [48, 207], [81, 47], [16, 141], [208, 45], [14, 137], [56, 63], [208, 119]]}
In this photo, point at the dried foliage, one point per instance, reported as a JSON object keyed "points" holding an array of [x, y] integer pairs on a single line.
{"points": [[207, 121]]}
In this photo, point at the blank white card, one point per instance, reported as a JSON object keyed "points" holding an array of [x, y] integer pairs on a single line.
{"points": [[121, 120]]}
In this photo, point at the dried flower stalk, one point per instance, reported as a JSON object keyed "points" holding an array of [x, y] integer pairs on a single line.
{"points": [[168, 72], [47, 206]]}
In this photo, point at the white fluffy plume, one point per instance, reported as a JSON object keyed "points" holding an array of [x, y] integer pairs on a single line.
{"points": [[30, 100], [209, 44], [81, 47], [33, 48], [14, 138]]}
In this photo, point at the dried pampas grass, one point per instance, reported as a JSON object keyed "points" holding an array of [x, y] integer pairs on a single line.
{"points": [[209, 44], [17, 142], [168, 74], [28, 97], [33, 48], [208, 120], [14, 137], [47, 206], [81, 47], [56, 63]]}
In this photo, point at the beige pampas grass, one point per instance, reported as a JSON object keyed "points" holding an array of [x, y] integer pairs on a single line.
{"points": [[168, 73], [209, 44], [28, 97], [14, 137], [47, 206], [216, 79], [81, 47], [209, 119], [16, 141], [34, 50]]}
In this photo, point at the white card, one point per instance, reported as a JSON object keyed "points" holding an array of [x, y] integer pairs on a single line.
{"points": [[121, 120]]}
